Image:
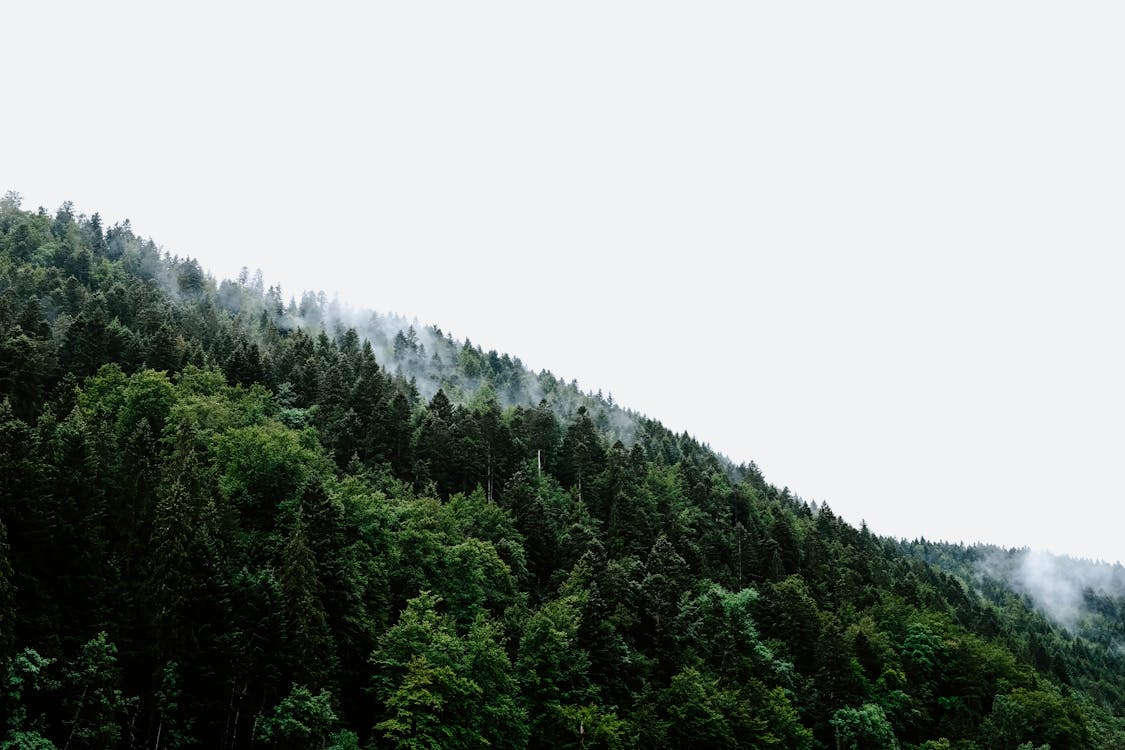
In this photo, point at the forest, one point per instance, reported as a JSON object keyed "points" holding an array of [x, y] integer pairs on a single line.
{"points": [[231, 520]]}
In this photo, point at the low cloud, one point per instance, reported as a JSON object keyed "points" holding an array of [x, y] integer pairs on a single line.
{"points": [[1057, 585]]}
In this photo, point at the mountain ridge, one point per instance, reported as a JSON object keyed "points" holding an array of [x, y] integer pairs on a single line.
{"points": [[220, 528]]}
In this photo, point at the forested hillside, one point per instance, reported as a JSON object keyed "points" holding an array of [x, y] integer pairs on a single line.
{"points": [[1072, 612], [232, 521]]}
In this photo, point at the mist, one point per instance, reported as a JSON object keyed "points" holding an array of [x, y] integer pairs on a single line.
{"points": [[1065, 589], [424, 358]]}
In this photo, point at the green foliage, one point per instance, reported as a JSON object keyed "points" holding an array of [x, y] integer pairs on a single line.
{"points": [[301, 721], [307, 631], [174, 730], [864, 728], [93, 704], [291, 533], [695, 708], [595, 727], [718, 629], [260, 466], [26, 741], [1035, 717], [552, 669], [26, 679], [444, 689]]}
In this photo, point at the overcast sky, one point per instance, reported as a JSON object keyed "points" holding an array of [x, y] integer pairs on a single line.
{"points": [[875, 247]]}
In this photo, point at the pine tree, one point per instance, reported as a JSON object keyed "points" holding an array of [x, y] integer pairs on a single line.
{"points": [[306, 625], [582, 454], [172, 587], [433, 445]]}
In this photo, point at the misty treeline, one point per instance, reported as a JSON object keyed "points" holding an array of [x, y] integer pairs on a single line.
{"points": [[229, 522], [1071, 611], [425, 356]]}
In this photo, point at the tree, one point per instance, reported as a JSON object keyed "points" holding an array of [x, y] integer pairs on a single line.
{"points": [[440, 689], [666, 578], [172, 586], [74, 511], [422, 708], [717, 628], [25, 681], [173, 729], [26, 521], [433, 445], [302, 721], [308, 639], [596, 727], [1035, 716], [786, 611], [93, 703], [863, 728], [501, 716], [694, 706], [552, 671], [582, 454], [538, 430]]}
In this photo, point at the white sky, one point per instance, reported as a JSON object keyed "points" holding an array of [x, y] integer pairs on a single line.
{"points": [[876, 247]]}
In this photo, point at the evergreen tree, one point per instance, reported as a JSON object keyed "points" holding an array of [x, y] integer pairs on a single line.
{"points": [[306, 624], [582, 455], [253, 530], [172, 587]]}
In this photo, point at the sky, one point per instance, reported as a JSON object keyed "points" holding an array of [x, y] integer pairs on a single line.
{"points": [[875, 247]]}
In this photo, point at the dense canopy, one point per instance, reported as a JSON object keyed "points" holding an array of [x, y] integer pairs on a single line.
{"points": [[228, 520]]}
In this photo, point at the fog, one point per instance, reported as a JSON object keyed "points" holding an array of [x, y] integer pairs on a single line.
{"points": [[1057, 585]]}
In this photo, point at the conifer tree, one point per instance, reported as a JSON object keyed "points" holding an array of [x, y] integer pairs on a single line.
{"points": [[582, 455], [172, 588], [306, 624]]}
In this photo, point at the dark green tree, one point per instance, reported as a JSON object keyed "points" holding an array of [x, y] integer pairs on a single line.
{"points": [[304, 721], [582, 456], [863, 728], [1035, 717], [553, 672], [308, 639]]}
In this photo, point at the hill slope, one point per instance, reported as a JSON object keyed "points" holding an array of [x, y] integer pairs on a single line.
{"points": [[227, 522]]}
